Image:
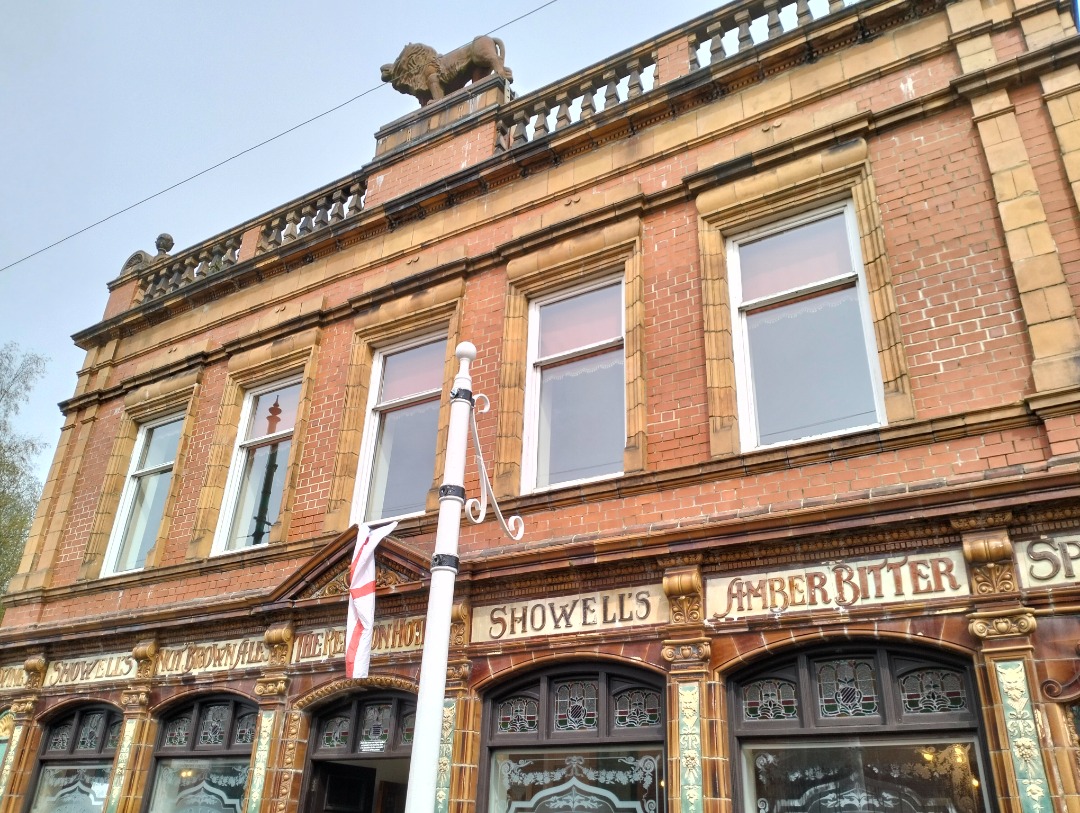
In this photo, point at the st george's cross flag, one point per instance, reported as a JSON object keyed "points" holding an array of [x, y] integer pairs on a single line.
{"points": [[362, 600]]}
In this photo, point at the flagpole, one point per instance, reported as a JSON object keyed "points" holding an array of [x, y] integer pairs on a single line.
{"points": [[423, 766]]}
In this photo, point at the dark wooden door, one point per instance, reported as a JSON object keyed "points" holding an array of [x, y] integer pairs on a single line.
{"points": [[342, 788]]}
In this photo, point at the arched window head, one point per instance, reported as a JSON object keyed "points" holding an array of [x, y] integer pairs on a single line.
{"points": [[76, 760]]}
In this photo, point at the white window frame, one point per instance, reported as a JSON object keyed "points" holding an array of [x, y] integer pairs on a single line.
{"points": [[127, 495], [373, 421], [534, 366], [239, 456], [744, 389]]}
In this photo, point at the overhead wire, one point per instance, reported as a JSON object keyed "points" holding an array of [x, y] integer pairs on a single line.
{"points": [[240, 154]]}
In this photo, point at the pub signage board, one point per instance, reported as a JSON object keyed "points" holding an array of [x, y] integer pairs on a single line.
{"points": [[1051, 561], [839, 585], [561, 615], [85, 671], [391, 635]]}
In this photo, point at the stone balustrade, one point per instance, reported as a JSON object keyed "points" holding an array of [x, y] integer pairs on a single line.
{"points": [[278, 228], [723, 34]]}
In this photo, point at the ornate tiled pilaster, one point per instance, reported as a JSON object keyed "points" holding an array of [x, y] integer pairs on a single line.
{"points": [[272, 688], [291, 764], [460, 744], [446, 754], [1027, 783], [689, 659], [18, 762], [130, 777]]}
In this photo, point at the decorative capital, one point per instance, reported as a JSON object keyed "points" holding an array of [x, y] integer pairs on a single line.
{"points": [[23, 707], [272, 686], [135, 698], [35, 671], [1013, 623], [682, 585], [458, 672], [278, 639], [993, 578], [685, 655]]}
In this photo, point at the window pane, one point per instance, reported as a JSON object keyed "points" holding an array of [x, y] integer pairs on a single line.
{"points": [[770, 699], [809, 366], [847, 688], [374, 727], [933, 775], [91, 728], [212, 725], [78, 787], [404, 461], [928, 691], [274, 411], [415, 370], [182, 785], [582, 428], [637, 708], [259, 501], [581, 320], [517, 714], [585, 779], [160, 445], [575, 706], [147, 508], [335, 732], [791, 259]]}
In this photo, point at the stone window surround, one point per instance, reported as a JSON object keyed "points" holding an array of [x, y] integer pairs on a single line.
{"points": [[435, 310], [579, 260], [145, 405], [294, 356], [794, 187]]}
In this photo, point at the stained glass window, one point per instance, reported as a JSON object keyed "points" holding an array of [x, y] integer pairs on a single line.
{"points": [[212, 725], [178, 731], [376, 727], [112, 737], [90, 731], [928, 691], [336, 732], [575, 706], [60, 737], [408, 727], [245, 729], [846, 688], [770, 699], [635, 708], [519, 714]]}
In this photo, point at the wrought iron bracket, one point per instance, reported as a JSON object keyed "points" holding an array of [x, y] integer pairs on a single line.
{"points": [[476, 509]]}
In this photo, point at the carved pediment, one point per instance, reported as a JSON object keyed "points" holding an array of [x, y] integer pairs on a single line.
{"points": [[326, 575]]}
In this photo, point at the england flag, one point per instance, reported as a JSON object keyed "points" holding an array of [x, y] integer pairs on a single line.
{"points": [[362, 600]]}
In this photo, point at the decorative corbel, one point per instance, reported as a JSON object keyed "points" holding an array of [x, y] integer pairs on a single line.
{"points": [[278, 639], [145, 655], [683, 588], [989, 554], [460, 623], [35, 672]]}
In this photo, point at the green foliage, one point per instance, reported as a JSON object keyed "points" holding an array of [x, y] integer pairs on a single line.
{"points": [[19, 489]]}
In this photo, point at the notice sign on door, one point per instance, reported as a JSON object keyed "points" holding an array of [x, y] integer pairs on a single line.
{"points": [[838, 585]]}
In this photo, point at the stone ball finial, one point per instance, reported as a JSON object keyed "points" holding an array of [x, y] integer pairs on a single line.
{"points": [[164, 243]]}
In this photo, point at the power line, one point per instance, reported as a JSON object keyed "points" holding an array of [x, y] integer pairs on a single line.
{"points": [[240, 154]]}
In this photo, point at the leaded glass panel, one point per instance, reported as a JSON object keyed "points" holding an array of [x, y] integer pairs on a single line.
{"points": [[91, 728], [212, 725], [408, 728], [636, 708], [591, 779], [335, 732], [928, 691], [770, 699], [847, 688], [178, 732], [519, 714], [60, 737], [928, 776], [112, 737], [375, 727], [72, 787], [575, 706], [244, 730]]}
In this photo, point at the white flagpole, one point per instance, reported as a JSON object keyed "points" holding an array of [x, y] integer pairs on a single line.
{"points": [[423, 767]]}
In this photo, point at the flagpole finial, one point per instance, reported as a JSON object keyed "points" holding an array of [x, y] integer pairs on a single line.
{"points": [[466, 350]]}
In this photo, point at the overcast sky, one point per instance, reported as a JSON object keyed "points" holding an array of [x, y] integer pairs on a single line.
{"points": [[104, 104]]}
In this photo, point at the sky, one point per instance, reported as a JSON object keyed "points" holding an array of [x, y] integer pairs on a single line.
{"points": [[105, 104]]}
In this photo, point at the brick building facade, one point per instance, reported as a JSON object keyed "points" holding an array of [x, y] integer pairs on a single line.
{"points": [[777, 317]]}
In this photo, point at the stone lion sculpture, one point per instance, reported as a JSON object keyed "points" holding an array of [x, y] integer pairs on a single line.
{"points": [[421, 72]]}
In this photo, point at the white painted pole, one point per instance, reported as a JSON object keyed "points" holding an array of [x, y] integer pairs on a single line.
{"points": [[423, 767]]}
